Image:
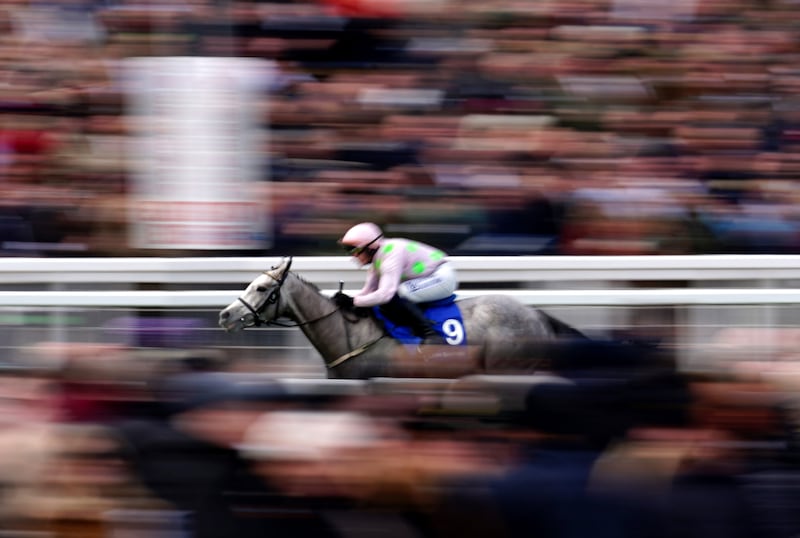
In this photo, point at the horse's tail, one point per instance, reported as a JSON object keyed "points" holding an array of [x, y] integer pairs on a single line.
{"points": [[562, 329]]}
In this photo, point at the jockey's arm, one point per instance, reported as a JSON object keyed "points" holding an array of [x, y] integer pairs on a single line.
{"points": [[387, 283]]}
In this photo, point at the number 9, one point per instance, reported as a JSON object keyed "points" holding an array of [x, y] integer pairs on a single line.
{"points": [[453, 331]]}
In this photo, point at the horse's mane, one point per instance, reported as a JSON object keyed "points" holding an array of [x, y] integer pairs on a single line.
{"points": [[307, 282]]}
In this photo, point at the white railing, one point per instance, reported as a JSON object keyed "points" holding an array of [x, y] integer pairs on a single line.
{"points": [[603, 297], [329, 270], [544, 281]]}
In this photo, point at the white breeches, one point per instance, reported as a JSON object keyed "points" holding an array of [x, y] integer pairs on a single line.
{"points": [[437, 285]]}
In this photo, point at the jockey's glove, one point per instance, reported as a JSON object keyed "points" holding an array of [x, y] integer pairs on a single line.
{"points": [[343, 301], [362, 311]]}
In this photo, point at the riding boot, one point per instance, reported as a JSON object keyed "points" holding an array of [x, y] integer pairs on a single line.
{"points": [[404, 312]]}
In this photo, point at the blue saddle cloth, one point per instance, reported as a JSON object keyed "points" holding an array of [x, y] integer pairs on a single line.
{"points": [[445, 315]]}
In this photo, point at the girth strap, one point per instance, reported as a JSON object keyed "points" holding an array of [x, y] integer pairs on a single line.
{"points": [[359, 350]]}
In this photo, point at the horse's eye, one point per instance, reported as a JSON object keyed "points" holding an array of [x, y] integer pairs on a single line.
{"points": [[261, 289]]}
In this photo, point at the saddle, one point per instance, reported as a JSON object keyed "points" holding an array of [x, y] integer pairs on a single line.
{"points": [[445, 315]]}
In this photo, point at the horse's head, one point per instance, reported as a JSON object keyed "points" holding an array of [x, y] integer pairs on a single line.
{"points": [[259, 303]]}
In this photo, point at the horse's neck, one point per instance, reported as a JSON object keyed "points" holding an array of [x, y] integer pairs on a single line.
{"points": [[303, 301], [317, 316]]}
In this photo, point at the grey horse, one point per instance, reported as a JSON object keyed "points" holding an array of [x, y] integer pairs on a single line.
{"points": [[504, 335]]}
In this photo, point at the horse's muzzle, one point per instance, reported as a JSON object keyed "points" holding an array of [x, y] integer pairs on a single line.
{"points": [[226, 323]]}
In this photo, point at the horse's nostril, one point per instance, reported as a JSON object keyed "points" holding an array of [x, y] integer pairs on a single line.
{"points": [[224, 315]]}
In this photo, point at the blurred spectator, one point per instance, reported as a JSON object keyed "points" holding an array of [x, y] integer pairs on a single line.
{"points": [[84, 488], [191, 459]]}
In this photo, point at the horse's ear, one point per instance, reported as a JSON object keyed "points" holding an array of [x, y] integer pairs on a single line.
{"points": [[283, 267]]}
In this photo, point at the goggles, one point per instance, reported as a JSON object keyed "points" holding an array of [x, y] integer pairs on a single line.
{"points": [[355, 251], [350, 250]]}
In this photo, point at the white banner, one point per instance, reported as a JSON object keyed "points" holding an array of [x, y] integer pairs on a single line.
{"points": [[199, 153]]}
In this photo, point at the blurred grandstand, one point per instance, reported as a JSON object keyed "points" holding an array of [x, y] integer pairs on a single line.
{"points": [[579, 127]]}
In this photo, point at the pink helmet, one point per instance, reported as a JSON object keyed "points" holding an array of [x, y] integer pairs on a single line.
{"points": [[361, 235]]}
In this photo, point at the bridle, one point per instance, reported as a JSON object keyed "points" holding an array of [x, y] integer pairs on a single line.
{"points": [[274, 298]]}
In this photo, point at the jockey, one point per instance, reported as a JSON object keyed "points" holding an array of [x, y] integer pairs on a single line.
{"points": [[401, 273]]}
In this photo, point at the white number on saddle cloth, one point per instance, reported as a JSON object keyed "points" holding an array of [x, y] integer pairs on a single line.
{"points": [[453, 331]]}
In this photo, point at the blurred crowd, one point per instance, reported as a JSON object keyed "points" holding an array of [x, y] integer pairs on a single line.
{"points": [[611, 441], [485, 127]]}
